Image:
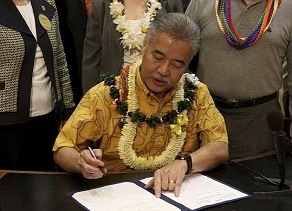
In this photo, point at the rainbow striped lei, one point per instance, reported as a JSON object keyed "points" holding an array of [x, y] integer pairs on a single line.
{"points": [[222, 8]]}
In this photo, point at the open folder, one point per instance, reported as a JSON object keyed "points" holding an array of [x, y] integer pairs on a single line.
{"points": [[197, 192]]}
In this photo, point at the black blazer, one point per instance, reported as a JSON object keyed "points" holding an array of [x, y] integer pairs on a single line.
{"points": [[73, 19]]}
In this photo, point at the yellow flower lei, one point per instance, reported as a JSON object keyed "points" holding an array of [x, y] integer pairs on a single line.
{"points": [[125, 146]]}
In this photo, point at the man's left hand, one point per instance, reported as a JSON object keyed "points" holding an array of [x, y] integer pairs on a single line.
{"points": [[169, 177]]}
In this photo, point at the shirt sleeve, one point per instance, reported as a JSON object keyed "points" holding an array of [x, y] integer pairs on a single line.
{"points": [[210, 122], [86, 122]]}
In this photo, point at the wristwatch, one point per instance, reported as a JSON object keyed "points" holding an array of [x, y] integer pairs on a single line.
{"points": [[188, 159]]}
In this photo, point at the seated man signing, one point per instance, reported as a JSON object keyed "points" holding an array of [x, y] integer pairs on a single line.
{"points": [[152, 117]]}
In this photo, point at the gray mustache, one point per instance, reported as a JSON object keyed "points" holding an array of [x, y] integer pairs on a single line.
{"points": [[161, 78]]}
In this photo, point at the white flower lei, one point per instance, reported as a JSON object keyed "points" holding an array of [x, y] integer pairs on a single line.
{"points": [[125, 146], [117, 9]]}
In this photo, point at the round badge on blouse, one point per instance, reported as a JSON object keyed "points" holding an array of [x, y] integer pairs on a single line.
{"points": [[45, 22]]}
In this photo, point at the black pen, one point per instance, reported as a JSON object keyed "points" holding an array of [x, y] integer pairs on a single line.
{"points": [[93, 155]]}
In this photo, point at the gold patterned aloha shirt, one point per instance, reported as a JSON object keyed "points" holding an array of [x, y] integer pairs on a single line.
{"points": [[95, 119]]}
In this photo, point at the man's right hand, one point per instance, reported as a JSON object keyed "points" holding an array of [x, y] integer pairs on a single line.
{"points": [[89, 165]]}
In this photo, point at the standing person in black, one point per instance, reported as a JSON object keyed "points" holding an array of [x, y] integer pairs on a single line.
{"points": [[185, 4], [114, 35], [73, 20]]}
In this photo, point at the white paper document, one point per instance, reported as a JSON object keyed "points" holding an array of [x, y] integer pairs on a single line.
{"points": [[197, 191], [126, 196]]}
